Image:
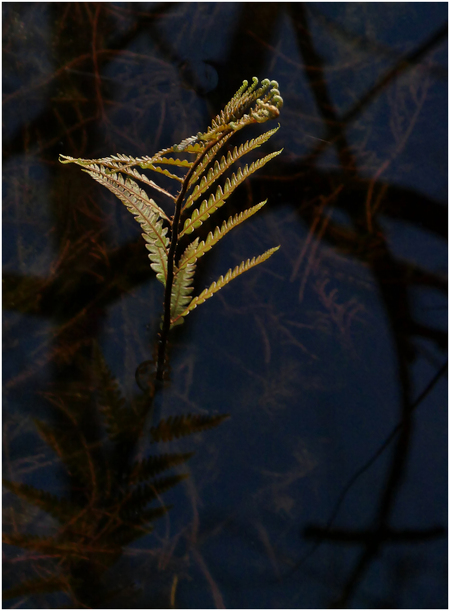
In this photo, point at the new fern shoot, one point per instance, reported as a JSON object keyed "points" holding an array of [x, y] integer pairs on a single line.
{"points": [[194, 164]]}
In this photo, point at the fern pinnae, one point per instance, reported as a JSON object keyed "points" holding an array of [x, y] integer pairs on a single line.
{"points": [[157, 245], [197, 250], [181, 290], [226, 162], [147, 213], [208, 157], [205, 183], [223, 280], [167, 173], [118, 163], [214, 202], [126, 189], [155, 234], [147, 181], [182, 163]]}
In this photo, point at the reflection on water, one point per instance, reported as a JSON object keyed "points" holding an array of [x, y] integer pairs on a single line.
{"points": [[321, 357]]}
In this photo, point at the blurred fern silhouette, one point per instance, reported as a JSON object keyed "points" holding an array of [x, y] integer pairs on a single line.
{"points": [[118, 497], [196, 157]]}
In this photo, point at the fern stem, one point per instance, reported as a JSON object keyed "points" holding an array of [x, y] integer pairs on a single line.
{"points": [[162, 346]]}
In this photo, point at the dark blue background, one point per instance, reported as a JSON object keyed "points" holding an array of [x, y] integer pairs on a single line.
{"points": [[301, 351]]}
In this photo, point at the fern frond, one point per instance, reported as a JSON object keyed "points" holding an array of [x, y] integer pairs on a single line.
{"points": [[219, 168], [187, 424], [223, 280], [207, 207], [153, 465], [254, 103], [196, 250]]}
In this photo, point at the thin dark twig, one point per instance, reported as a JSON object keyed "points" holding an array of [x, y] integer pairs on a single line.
{"points": [[404, 64], [371, 461], [315, 73], [385, 443]]}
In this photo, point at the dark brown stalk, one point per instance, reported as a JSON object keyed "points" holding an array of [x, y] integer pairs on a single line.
{"points": [[162, 344]]}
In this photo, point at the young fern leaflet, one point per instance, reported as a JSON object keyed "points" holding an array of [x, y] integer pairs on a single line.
{"points": [[197, 158]]}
